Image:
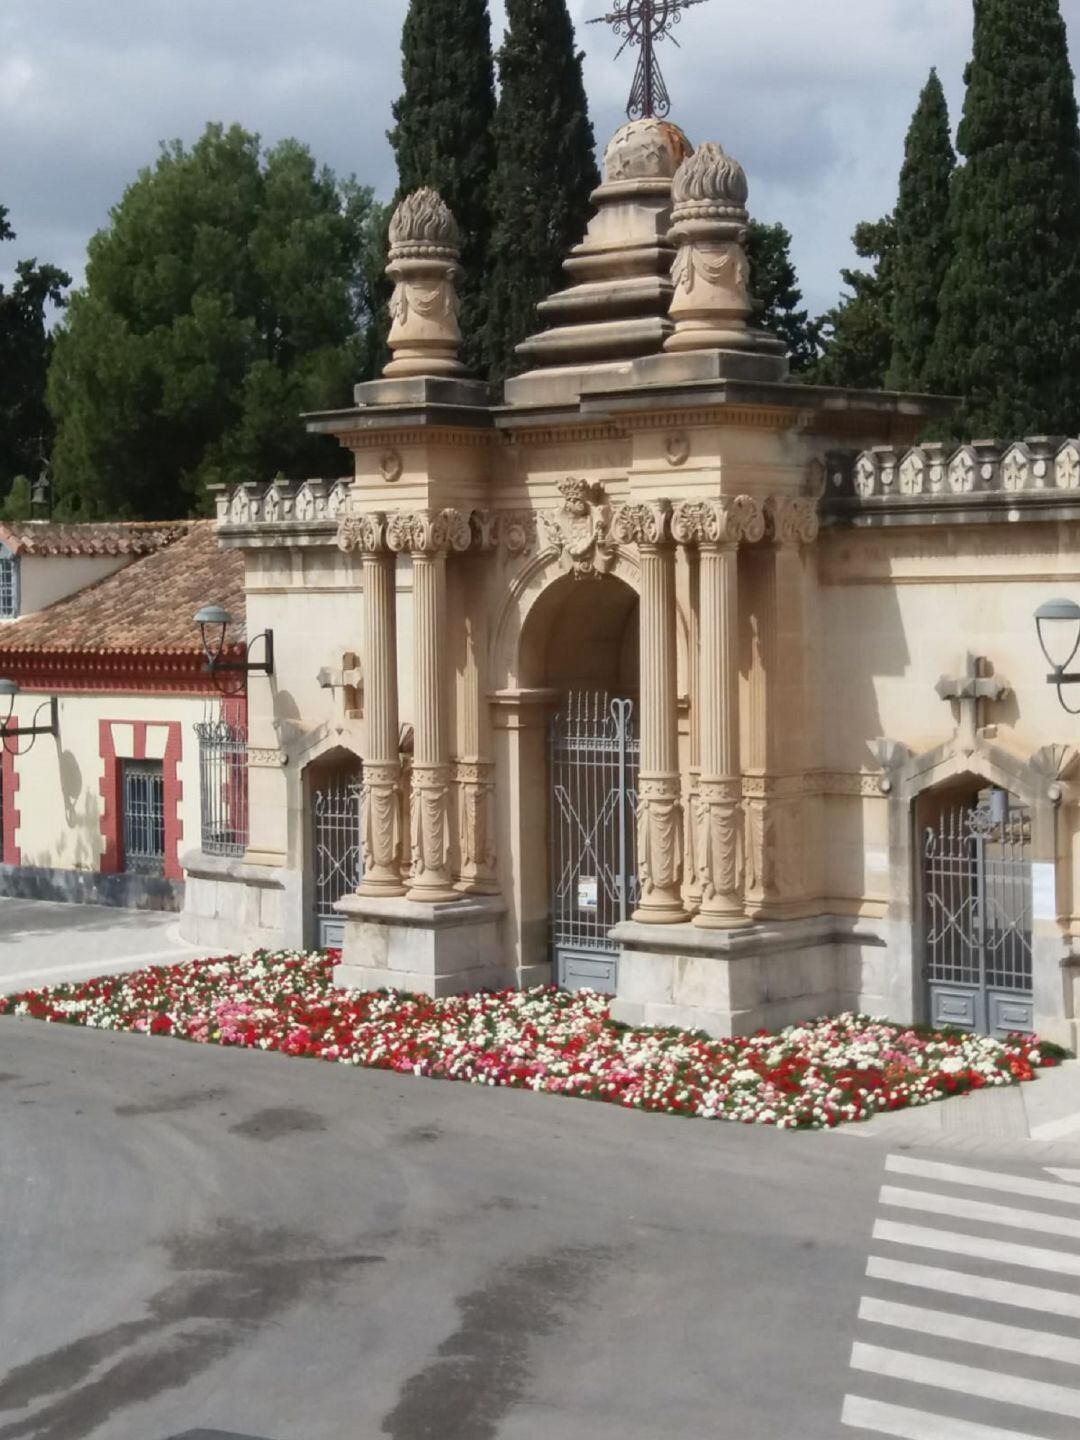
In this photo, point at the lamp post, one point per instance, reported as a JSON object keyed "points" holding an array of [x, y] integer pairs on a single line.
{"points": [[8, 691], [216, 617], [1057, 624]]}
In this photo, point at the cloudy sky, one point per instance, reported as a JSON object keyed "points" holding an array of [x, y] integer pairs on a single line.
{"points": [[813, 96]]}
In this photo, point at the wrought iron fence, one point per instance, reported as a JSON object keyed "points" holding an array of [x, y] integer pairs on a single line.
{"points": [[338, 852], [223, 787], [144, 817]]}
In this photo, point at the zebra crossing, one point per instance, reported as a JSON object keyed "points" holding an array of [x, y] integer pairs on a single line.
{"points": [[969, 1327]]}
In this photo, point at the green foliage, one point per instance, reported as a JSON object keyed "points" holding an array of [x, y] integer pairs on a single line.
{"points": [[443, 135], [775, 286], [25, 347], [545, 170], [16, 505], [857, 333], [228, 294], [1009, 337], [923, 241]]}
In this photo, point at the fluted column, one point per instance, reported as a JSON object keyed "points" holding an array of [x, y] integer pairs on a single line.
{"points": [[718, 527], [660, 828], [382, 764], [427, 537]]}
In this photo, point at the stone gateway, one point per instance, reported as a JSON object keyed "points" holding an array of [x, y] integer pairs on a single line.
{"points": [[657, 671]]}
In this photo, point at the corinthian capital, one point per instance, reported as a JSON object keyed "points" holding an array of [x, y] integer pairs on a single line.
{"points": [[731, 520], [648, 524], [791, 520], [426, 532], [364, 533]]}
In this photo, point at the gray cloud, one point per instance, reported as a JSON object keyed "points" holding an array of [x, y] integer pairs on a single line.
{"points": [[813, 99]]}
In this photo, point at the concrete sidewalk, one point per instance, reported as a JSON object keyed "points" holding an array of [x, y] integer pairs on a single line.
{"points": [[1038, 1121], [42, 943]]}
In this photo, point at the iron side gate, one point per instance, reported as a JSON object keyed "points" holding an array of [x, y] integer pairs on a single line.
{"points": [[594, 767], [978, 917], [337, 850]]}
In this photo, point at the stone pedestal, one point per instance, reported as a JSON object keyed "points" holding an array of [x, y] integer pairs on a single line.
{"points": [[428, 949]]}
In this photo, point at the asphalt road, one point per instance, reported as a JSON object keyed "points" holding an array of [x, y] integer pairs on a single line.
{"points": [[290, 1250], [214, 1243]]}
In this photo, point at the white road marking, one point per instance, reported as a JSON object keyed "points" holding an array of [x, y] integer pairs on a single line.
{"points": [[1042, 1343], [986, 1179], [976, 1287], [967, 1379], [1072, 1176], [1055, 1129], [1001, 1252], [908, 1424], [948, 1207]]}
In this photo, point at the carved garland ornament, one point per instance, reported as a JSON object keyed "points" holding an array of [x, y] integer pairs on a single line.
{"points": [[729, 521]]}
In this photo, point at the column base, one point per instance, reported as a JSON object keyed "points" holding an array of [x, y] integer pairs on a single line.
{"points": [[707, 920], [442, 894], [428, 949], [670, 914], [376, 889]]}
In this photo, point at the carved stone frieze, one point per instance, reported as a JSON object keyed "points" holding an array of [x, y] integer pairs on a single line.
{"points": [[731, 520], [580, 530], [660, 841], [514, 531], [365, 534], [791, 520], [382, 834], [720, 848], [427, 532], [430, 831], [648, 524]]}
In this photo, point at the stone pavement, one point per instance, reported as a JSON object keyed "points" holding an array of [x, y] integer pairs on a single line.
{"points": [[42, 943]]}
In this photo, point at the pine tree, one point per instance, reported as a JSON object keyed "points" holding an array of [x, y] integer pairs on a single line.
{"points": [[923, 241], [775, 286], [857, 333], [545, 170], [443, 135], [1009, 336]]}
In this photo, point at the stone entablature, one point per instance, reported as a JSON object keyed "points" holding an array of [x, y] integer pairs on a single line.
{"points": [[1035, 474]]}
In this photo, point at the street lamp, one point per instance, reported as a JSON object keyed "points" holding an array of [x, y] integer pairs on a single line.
{"points": [[1057, 624], [216, 617], [8, 691]]}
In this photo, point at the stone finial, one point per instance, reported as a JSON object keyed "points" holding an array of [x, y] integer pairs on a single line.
{"points": [[425, 247], [711, 305], [645, 150]]}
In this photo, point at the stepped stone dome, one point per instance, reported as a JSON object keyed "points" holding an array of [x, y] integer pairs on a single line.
{"points": [[645, 150]]}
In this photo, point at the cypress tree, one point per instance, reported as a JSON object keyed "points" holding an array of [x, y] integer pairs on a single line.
{"points": [[443, 134], [774, 285], [856, 335], [545, 170], [923, 241], [1009, 336]]}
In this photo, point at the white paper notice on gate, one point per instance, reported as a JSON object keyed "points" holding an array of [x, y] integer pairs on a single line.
{"points": [[1043, 891], [587, 894]]}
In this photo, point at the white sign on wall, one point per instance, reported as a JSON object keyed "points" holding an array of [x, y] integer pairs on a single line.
{"points": [[1043, 891], [587, 893]]}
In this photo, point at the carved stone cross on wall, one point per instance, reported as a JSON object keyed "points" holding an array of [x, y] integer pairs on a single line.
{"points": [[347, 685], [972, 691]]}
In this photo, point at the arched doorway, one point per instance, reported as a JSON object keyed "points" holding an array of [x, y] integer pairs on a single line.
{"points": [[975, 843], [584, 641], [334, 789]]}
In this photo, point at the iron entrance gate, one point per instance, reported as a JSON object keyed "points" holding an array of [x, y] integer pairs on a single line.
{"points": [[978, 917], [338, 856], [594, 766]]}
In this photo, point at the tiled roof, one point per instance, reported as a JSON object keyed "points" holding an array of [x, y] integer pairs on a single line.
{"points": [[43, 537], [146, 608]]}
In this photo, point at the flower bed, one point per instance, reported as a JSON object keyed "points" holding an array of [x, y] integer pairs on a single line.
{"points": [[809, 1076]]}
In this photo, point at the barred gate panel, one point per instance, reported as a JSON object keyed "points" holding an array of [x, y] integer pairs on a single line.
{"points": [[223, 787], [144, 817], [337, 850], [978, 917], [593, 835]]}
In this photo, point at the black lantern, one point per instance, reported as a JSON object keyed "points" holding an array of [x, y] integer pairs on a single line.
{"points": [[1057, 624], [8, 691], [213, 618]]}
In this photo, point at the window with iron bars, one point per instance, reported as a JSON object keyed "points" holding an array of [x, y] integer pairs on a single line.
{"points": [[9, 585], [223, 787], [144, 817]]}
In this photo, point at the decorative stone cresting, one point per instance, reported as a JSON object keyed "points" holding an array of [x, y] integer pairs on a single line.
{"points": [[1040, 465], [282, 501], [425, 248]]}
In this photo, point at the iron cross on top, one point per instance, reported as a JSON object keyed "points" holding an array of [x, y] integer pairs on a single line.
{"points": [[643, 23]]}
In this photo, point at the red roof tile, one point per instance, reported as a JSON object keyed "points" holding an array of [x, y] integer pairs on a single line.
{"points": [[44, 537]]}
